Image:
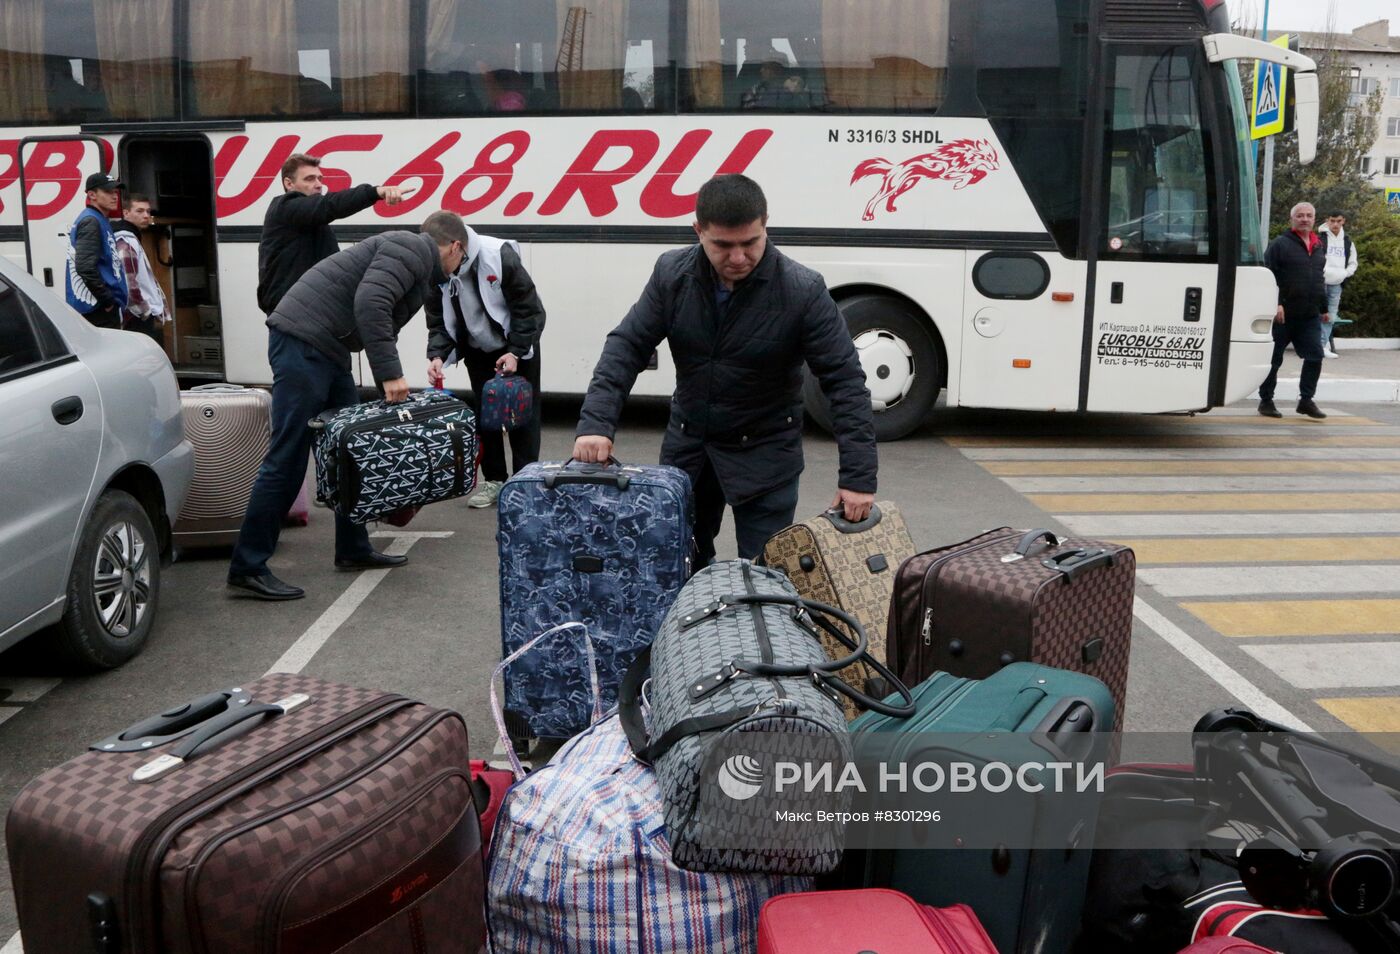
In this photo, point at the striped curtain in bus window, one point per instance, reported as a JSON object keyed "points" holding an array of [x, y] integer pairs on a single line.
{"points": [[885, 54], [244, 58], [374, 55], [592, 53], [22, 96], [136, 43]]}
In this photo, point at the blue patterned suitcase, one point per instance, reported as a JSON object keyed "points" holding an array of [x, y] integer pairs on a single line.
{"points": [[608, 546], [376, 458]]}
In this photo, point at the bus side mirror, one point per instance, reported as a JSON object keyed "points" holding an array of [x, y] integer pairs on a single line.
{"points": [[1305, 119]]}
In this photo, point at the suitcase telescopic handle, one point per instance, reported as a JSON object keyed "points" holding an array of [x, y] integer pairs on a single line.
{"points": [[1074, 562], [214, 732], [173, 723]]}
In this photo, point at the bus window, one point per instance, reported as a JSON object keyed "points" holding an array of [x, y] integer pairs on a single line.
{"points": [[59, 68], [883, 55], [1031, 61], [301, 58], [1159, 185], [483, 57]]}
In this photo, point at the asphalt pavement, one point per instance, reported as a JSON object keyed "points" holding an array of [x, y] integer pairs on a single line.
{"points": [[1269, 575]]}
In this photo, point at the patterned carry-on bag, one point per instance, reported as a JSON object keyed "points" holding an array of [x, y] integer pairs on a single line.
{"points": [[850, 566], [507, 402], [1015, 596], [739, 679], [580, 860], [377, 458]]}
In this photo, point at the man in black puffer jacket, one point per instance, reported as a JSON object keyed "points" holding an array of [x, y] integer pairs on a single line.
{"points": [[1298, 259], [741, 318], [356, 300]]}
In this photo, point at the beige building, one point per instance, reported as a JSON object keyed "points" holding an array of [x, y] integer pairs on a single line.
{"points": [[1373, 56]]}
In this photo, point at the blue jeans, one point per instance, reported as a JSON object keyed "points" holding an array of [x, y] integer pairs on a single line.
{"points": [[304, 383], [1334, 302]]}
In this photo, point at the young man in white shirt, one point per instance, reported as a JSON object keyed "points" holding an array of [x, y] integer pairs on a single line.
{"points": [[1341, 265], [145, 310]]}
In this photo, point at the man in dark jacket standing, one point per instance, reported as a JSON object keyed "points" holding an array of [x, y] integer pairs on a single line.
{"points": [[1298, 259], [488, 315], [741, 319], [297, 233], [356, 300], [95, 282]]}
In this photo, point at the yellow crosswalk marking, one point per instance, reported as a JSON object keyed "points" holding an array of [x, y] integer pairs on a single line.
{"points": [[1065, 441], [1251, 550], [1300, 617], [1053, 468], [1374, 714], [1212, 502]]}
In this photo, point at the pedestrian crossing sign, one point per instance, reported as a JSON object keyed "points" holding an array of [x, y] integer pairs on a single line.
{"points": [[1392, 200], [1270, 96]]}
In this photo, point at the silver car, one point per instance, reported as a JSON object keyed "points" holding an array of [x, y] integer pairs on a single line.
{"points": [[93, 468]]}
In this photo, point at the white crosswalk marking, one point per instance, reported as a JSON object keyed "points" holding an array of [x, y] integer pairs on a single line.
{"points": [[1233, 524], [1292, 580], [1195, 453], [1333, 665], [13, 946], [1323, 484]]}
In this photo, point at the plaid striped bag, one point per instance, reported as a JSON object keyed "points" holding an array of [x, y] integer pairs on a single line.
{"points": [[580, 863]]}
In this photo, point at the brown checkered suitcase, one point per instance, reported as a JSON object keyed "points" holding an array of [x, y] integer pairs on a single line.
{"points": [[850, 566], [1015, 596], [290, 815]]}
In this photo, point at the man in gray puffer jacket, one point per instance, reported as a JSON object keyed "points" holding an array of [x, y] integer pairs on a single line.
{"points": [[356, 300]]}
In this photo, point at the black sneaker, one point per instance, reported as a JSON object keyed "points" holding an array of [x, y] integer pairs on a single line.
{"points": [[1306, 406], [1267, 409]]}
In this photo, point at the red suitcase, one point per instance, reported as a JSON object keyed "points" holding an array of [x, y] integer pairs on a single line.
{"points": [[869, 919], [290, 815], [1225, 945], [1015, 596]]}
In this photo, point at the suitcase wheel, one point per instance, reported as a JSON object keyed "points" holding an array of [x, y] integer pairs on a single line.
{"points": [[518, 733]]}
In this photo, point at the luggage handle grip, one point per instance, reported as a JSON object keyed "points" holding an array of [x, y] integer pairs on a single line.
{"points": [[838, 520], [609, 473], [208, 736], [1074, 562], [1028, 540], [173, 723]]}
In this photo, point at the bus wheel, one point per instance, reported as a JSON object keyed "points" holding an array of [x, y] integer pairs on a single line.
{"points": [[900, 358]]}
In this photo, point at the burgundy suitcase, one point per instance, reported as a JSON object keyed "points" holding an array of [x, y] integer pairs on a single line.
{"points": [[291, 815], [871, 920], [1015, 596], [1225, 945]]}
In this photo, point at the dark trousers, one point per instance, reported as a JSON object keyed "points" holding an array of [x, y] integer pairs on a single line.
{"points": [[525, 440], [1305, 334], [754, 520], [304, 383], [110, 318], [149, 326]]}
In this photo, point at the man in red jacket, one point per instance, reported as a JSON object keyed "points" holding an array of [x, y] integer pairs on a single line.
{"points": [[1297, 258]]}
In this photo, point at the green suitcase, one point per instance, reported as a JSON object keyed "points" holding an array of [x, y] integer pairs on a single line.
{"points": [[1029, 899]]}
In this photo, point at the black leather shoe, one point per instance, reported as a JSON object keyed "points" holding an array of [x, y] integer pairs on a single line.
{"points": [[374, 561], [1267, 409], [1306, 406], [266, 587]]}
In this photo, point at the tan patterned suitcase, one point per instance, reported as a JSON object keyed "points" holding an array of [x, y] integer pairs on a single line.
{"points": [[850, 566]]}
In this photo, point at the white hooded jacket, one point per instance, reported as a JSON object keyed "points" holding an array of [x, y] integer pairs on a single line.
{"points": [[1340, 265]]}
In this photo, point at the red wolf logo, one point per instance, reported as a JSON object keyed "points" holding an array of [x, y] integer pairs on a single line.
{"points": [[964, 162]]}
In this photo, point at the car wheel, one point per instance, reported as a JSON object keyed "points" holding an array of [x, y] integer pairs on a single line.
{"points": [[114, 585], [900, 358]]}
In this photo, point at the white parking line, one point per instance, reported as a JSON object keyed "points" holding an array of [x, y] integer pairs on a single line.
{"points": [[13, 946], [1213, 666], [15, 692], [310, 642]]}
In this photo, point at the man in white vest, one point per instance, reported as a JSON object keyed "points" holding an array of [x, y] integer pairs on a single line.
{"points": [[145, 310], [489, 317]]}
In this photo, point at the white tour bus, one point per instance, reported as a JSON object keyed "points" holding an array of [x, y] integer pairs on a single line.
{"points": [[1041, 204]]}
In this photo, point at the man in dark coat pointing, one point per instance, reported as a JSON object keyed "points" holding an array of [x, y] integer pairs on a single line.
{"points": [[741, 319]]}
